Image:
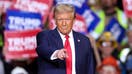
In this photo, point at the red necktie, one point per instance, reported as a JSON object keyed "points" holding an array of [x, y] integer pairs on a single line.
{"points": [[69, 58]]}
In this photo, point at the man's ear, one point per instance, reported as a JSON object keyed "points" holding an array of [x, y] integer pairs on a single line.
{"points": [[74, 15], [53, 12]]}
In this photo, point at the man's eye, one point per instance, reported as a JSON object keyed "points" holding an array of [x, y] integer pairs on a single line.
{"points": [[64, 19], [60, 19]]}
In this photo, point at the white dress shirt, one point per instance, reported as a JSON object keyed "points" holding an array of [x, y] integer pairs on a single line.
{"points": [[71, 40]]}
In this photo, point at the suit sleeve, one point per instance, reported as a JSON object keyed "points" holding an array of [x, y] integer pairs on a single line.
{"points": [[44, 49]]}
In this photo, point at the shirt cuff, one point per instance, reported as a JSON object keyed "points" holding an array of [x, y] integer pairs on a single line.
{"points": [[54, 55]]}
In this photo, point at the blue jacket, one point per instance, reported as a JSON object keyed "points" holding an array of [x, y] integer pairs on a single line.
{"points": [[50, 40]]}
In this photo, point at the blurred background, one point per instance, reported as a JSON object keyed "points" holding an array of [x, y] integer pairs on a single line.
{"points": [[108, 24]]}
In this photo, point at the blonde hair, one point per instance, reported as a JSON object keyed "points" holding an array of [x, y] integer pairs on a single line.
{"points": [[64, 8]]}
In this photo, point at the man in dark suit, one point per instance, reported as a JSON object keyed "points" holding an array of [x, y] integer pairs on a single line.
{"points": [[62, 50]]}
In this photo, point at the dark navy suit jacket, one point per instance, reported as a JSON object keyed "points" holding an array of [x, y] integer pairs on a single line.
{"points": [[50, 40]]}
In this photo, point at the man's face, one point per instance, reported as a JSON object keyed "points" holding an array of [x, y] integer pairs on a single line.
{"points": [[130, 38], [108, 5], [108, 69], [64, 22], [107, 48]]}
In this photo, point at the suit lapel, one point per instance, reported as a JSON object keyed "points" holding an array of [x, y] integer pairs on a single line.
{"points": [[57, 38], [77, 49], [76, 41]]}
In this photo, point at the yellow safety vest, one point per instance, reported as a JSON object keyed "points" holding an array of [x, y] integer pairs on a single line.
{"points": [[100, 27], [123, 54]]}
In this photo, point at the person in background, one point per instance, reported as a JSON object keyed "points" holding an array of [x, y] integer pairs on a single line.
{"points": [[107, 9], [62, 50], [109, 66], [1, 44], [5, 68], [107, 45], [28, 64], [19, 70], [126, 53], [2, 28], [95, 6]]}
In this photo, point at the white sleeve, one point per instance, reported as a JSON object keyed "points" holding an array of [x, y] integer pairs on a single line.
{"points": [[54, 55]]}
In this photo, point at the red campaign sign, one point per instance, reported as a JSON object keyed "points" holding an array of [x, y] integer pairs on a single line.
{"points": [[40, 6], [127, 5], [20, 44], [79, 24], [4, 5]]}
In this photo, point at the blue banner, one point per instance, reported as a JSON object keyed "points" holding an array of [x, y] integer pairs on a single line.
{"points": [[82, 8], [116, 29], [19, 20]]}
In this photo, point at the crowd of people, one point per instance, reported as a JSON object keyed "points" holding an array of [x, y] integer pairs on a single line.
{"points": [[111, 56]]}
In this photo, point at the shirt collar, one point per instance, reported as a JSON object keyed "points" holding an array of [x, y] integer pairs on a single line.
{"points": [[63, 36]]}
